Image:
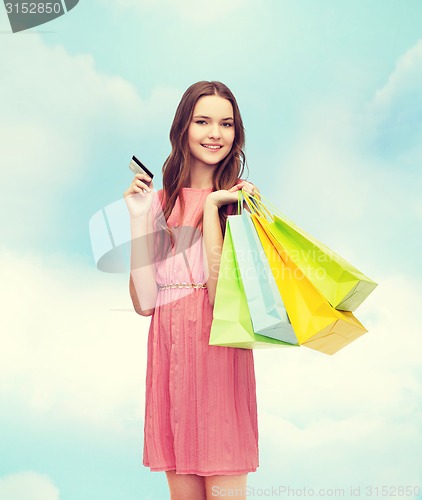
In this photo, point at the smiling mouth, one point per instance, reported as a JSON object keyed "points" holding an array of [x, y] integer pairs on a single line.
{"points": [[212, 148]]}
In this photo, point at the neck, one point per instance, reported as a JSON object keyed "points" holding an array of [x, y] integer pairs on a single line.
{"points": [[200, 175]]}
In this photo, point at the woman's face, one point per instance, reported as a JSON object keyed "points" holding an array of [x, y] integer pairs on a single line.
{"points": [[211, 131]]}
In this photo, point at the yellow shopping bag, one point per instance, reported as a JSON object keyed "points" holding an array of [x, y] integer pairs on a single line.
{"points": [[315, 322]]}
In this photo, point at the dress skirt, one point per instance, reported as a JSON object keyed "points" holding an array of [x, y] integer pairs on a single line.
{"points": [[200, 400]]}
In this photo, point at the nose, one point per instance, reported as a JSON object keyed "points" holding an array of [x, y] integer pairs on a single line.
{"points": [[214, 132]]}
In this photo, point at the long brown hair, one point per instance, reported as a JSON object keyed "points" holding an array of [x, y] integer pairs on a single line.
{"points": [[176, 168]]}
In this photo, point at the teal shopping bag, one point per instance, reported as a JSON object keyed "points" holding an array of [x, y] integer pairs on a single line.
{"points": [[231, 325], [266, 308]]}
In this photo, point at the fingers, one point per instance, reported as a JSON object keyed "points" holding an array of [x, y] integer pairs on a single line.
{"points": [[142, 180], [240, 185], [247, 186], [143, 176], [254, 191], [142, 184]]}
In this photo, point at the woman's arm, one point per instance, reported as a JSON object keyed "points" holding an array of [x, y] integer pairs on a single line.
{"points": [[213, 243], [212, 234], [142, 284], [135, 300]]}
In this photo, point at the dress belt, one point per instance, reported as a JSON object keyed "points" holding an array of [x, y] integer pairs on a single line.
{"points": [[182, 285]]}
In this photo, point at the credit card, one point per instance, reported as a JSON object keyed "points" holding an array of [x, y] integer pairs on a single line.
{"points": [[138, 167]]}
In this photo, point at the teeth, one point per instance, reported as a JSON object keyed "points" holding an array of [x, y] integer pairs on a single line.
{"points": [[211, 147]]}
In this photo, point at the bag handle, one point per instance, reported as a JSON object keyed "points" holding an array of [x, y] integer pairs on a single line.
{"points": [[239, 202], [256, 206], [266, 206], [244, 196]]}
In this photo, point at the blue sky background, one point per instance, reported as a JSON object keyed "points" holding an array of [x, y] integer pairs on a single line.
{"points": [[330, 96]]}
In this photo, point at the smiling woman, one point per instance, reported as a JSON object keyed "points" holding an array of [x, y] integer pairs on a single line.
{"points": [[201, 423]]}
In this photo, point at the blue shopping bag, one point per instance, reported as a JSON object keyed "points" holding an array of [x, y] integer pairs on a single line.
{"points": [[266, 308]]}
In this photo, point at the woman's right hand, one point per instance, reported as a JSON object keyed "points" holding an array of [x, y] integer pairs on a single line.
{"points": [[138, 197]]}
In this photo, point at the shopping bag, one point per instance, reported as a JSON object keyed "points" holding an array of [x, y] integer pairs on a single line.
{"points": [[231, 325], [316, 323], [344, 286], [266, 308]]}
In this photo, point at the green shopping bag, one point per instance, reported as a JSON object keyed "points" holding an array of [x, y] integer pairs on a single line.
{"points": [[344, 286], [266, 308], [231, 325]]}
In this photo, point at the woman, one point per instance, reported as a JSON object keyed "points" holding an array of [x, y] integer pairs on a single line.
{"points": [[200, 409]]}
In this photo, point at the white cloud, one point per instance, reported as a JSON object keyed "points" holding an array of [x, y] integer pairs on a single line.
{"points": [[404, 82], [28, 486], [60, 91], [71, 343], [331, 190], [71, 348], [350, 178], [393, 114], [342, 419], [54, 107]]}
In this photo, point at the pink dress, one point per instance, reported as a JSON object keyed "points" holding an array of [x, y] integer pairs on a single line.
{"points": [[200, 404]]}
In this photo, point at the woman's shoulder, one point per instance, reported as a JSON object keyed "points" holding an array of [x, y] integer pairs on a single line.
{"points": [[160, 195]]}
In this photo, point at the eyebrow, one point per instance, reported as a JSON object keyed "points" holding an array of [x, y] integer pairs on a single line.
{"points": [[208, 118]]}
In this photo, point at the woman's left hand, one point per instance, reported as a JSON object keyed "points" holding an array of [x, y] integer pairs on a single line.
{"points": [[246, 186], [226, 196]]}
